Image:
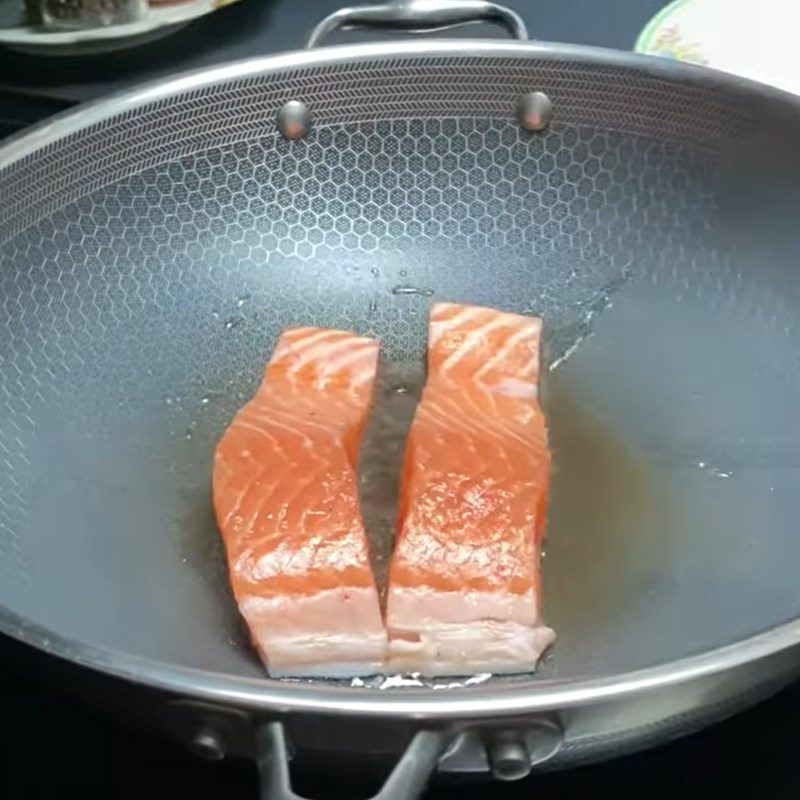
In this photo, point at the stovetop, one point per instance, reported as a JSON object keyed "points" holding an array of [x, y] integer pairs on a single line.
{"points": [[52, 744]]}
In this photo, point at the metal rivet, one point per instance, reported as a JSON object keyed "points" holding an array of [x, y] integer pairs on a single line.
{"points": [[207, 744], [294, 119], [509, 759], [544, 739], [535, 111]]}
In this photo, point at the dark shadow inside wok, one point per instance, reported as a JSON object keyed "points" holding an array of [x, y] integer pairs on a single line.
{"points": [[139, 301]]}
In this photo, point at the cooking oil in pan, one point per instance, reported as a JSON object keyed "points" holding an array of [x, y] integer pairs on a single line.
{"points": [[604, 510], [200, 548], [603, 513], [607, 521]]}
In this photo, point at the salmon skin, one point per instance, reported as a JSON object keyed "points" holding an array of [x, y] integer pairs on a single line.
{"points": [[464, 582], [286, 500]]}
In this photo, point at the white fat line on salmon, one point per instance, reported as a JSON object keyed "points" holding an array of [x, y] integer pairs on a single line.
{"points": [[439, 327], [276, 418], [360, 379], [439, 416], [517, 389], [246, 557], [266, 434], [297, 343], [270, 488], [247, 418], [528, 331], [312, 477], [294, 337], [291, 350], [331, 433], [492, 423], [470, 340], [318, 351], [293, 333], [255, 517], [329, 430], [533, 365], [240, 497], [453, 407], [460, 313], [220, 464], [331, 369], [287, 474]]}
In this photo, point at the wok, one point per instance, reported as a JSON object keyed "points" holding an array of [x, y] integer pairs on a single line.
{"points": [[153, 245]]}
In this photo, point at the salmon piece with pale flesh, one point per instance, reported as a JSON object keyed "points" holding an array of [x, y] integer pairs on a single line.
{"points": [[464, 581], [286, 500]]}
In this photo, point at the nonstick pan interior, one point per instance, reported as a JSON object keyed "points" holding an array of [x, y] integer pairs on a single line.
{"points": [[149, 259]]}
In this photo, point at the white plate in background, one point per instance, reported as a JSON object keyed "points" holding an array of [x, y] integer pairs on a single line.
{"points": [[757, 40]]}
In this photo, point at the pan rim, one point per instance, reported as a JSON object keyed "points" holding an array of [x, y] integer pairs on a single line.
{"points": [[471, 702], [479, 701], [50, 130]]}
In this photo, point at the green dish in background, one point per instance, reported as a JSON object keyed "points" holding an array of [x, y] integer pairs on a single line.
{"points": [[760, 41]]}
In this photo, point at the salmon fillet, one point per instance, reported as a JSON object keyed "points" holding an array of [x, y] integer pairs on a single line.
{"points": [[464, 578], [286, 500]]}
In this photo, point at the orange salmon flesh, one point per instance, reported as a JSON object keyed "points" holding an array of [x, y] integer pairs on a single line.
{"points": [[286, 499], [464, 584]]}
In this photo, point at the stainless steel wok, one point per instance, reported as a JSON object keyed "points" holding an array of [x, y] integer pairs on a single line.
{"points": [[152, 246]]}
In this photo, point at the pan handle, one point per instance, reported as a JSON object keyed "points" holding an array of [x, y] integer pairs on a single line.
{"points": [[419, 16], [407, 780]]}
